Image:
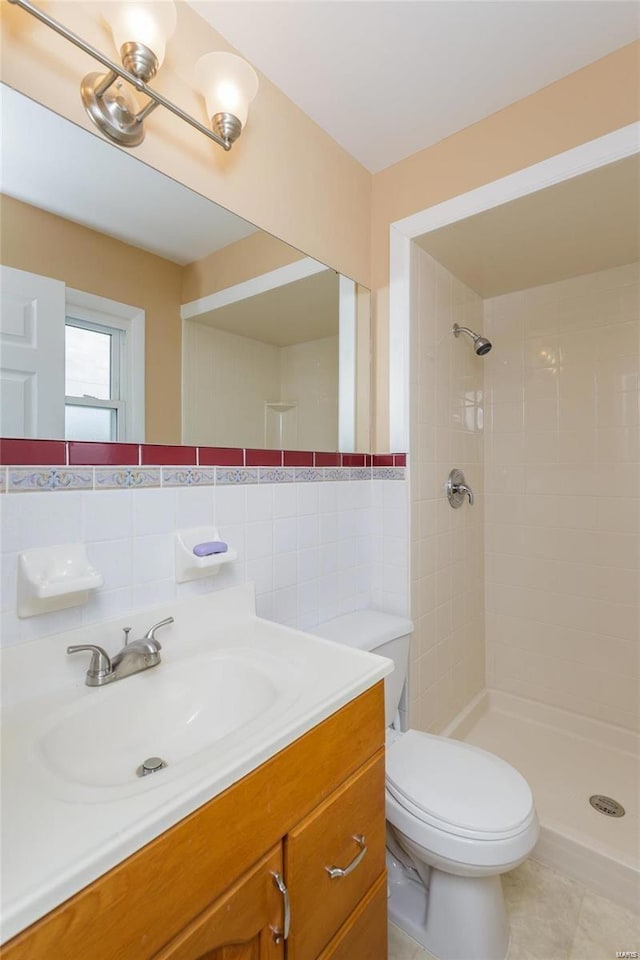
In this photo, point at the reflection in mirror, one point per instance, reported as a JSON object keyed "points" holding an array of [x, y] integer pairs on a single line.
{"points": [[134, 309]]}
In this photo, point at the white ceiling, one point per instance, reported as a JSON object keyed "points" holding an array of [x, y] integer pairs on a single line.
{"points": [[386, 78], [579, 226], [88, 180]]}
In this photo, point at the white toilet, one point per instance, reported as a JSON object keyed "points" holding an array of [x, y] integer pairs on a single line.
{"points": [[457, 817]]}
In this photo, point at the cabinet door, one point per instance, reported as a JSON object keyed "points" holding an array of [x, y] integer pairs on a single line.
{"points": [[241, 925], [334, 836], [364, 935]]}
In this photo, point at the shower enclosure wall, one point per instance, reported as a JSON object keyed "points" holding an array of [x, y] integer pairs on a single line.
{"points": [[540, 577]]}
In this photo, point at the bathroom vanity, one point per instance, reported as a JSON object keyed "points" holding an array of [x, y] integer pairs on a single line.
{"points": [[278, 851]]}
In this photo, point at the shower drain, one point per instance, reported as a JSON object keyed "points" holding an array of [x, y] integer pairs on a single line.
{"points": [[607, 805]]}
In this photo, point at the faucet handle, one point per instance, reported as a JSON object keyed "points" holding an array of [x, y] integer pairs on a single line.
{"points": [[457, 489], [100, 665], [151, 633]]}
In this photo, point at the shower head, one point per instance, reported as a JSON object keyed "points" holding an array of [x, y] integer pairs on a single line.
{"points": [[480, 344]]}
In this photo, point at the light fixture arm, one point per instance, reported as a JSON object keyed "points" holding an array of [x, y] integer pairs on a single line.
{"points": [[117, 71]]}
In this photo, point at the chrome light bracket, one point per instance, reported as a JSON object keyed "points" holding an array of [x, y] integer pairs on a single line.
{"points": [[117, 117], [112, 108]]}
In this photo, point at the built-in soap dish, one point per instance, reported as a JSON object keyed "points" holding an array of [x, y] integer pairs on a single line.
{"points": [[54, 578], [191, 567]]}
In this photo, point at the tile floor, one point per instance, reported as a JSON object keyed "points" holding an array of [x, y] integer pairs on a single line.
{"points": [[552, 918]]}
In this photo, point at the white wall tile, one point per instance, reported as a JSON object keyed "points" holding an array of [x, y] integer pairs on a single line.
{"points": [[194, 507], [285, 535], [562, 564], [260, 498], [154, 512], [276, 530], [285, 500], [108, 516], [229, 504], [153, 558]]}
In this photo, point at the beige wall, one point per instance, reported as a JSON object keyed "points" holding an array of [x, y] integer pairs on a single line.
{"points": [[586, 104], [563, 494], [31, 239], [285, 174], [447, 546], [247, 258]]}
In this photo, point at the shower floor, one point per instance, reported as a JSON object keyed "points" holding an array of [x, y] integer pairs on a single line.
{"points": [[566, 759]]}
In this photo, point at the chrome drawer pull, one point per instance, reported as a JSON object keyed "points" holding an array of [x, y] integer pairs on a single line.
{"points": [[279, 936], [339, 871]]}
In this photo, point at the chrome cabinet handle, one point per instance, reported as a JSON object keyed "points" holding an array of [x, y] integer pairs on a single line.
{"points": [[335, 872], [278, 936]]}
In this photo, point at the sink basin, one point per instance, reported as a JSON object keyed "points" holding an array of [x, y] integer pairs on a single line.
{"points": [[231, 691], [172, 711]]}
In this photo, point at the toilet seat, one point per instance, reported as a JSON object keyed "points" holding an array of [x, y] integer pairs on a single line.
{"points": [[457, 788]]}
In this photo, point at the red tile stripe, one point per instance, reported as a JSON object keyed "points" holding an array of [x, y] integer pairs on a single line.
{"points": [[298, 458], [326, 459], [221, 456], [20, 452], [158, 455], [103, 454], [33, 452], [263, 458]]}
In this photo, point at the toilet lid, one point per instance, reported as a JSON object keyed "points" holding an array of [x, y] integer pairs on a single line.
{"points": [[457, 787]]}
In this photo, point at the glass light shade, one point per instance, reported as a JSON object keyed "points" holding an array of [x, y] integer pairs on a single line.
{"points": [[228, 83], [150, 22]]}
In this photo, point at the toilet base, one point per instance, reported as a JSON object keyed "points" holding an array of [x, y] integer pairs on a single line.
{"points": [[458, 918]]}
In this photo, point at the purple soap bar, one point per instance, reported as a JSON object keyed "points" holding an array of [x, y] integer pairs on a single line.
{"points": [[213, 546]]}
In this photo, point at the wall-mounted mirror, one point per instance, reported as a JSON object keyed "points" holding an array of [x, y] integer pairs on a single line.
{"points": [[134, 309]]}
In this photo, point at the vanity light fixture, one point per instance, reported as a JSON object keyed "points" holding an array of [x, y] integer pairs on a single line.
{"points": [[140, 31]]}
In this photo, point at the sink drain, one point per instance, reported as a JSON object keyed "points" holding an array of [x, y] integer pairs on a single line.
{"points": [[150, 765], [607, 805]]}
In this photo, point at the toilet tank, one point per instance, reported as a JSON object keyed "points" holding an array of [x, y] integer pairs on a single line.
{"points": [[380, 633]]}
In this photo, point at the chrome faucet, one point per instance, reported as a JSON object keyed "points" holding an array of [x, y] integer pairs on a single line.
{"points": [[457, 489], [132, 658]]}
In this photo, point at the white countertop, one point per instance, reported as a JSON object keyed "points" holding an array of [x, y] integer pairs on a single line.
{"points": [[60, 833]]}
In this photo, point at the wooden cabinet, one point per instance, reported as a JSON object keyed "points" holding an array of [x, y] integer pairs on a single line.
{"points": [[245, 923], [364, 935], [321, 901], [205, 890]]}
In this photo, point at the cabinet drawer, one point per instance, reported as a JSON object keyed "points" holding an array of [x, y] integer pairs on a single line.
{"points": [[364, 935], [320, 904], [241, 923]]}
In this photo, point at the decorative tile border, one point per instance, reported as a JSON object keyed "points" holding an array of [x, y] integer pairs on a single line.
{"points": [[388, 473], [30, 479], [337, 473], [277, 475], [309, 474], [360, 473], [188, 476], [126, 478], [21, 479], [237, 475]]}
